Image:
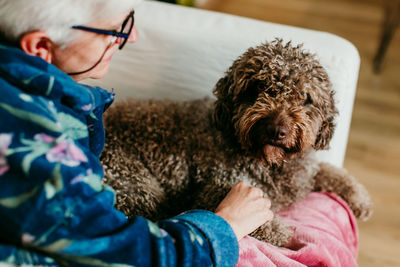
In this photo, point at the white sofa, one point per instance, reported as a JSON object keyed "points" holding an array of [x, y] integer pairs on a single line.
{"points": [[182, 52]]}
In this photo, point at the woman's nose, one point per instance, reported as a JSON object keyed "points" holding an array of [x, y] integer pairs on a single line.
{"points": [[133, 36]]}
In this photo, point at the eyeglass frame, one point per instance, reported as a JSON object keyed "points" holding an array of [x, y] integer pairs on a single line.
{"points": [[114, 33]]}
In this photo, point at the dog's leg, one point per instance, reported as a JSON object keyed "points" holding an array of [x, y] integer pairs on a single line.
{"points": [[336, 180]]}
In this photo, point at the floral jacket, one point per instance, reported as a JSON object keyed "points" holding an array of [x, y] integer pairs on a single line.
{"points": [[54, 209]]}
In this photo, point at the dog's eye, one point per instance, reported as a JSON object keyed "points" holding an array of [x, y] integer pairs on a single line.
{"points": [[307, 100]]}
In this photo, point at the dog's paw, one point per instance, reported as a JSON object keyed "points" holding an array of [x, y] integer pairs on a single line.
{"points": [[360, 203], [275, 232], [363, 212], [362, 208]]}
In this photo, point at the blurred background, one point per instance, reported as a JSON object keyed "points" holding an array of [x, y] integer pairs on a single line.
{"points": [[373, 152]]}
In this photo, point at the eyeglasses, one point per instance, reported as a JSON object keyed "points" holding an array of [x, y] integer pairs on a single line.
{"points": [[124, 33]]}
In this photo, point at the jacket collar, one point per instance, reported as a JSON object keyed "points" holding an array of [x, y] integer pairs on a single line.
{"points": [[35, 76]]}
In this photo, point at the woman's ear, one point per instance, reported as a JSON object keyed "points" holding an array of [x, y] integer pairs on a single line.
{"points": [[37, 44]]}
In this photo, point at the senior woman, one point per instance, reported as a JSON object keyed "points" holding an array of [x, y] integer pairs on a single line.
{"points": [[54, 209]]}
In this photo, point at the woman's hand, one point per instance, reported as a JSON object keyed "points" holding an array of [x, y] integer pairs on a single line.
{"points": [[245, 208]]}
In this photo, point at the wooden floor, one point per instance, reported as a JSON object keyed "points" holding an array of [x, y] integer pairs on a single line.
{"points": [[373, 153]]}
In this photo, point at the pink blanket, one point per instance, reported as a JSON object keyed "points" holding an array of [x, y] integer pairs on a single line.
{"points": [[325, 235]]}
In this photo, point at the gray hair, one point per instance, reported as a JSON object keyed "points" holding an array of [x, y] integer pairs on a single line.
{"points": [[56, 17]]}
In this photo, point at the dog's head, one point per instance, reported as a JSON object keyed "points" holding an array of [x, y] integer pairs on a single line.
{"points": [[276, 101]]}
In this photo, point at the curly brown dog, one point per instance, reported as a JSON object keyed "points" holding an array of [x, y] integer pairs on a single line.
{"points": [[274, 109]]}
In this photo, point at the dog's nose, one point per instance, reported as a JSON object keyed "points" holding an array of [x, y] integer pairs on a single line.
{"points": [[277, 132], [281, 132]]}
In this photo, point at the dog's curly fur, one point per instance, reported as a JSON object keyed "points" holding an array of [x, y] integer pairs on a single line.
{"points": [[274, 108]]}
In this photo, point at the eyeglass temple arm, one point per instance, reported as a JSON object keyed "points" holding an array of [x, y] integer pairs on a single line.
{"points": [[113, 33]]}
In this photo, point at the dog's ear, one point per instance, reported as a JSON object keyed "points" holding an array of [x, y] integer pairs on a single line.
{"points": [[328, 111], [325, 134], [222, 109], [328, 124]]}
